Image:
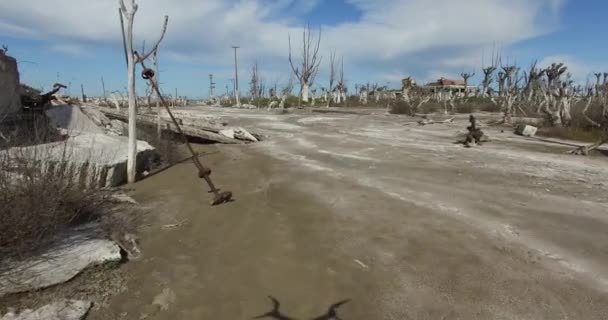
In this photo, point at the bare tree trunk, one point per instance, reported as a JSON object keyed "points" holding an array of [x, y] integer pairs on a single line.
{"points": [[132, 144], [305, 89]]}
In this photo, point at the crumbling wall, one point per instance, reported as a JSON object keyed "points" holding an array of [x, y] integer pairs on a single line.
{"points": [[10, 101]]}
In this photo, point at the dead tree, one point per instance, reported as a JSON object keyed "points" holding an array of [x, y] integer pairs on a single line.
{"points": [[509, 91], [309, 66], [342, 83], [533, 82], [557, 97], [488, 78], [332, 74], [254, 84], [132, 60], [466, 76]]}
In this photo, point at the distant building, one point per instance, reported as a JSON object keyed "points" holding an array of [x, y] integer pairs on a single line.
{"points": [[454, 86]]}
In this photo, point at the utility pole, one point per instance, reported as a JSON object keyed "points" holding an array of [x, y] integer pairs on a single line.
{"points": [[84, 97], [211, 86], [236, 77], [103, 87]]}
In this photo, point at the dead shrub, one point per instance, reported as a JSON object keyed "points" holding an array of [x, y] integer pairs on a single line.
{"points": [[466, 108], [401, 107], [431, 107], [43, 197]]}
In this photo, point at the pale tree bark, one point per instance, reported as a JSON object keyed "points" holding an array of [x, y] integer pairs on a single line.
{"points": [[332, 75], [305, 89], [466, 77], [129, 14]]}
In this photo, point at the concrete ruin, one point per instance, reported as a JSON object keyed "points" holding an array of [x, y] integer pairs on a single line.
{"points": [[93, 160], [79, 249], [10, 101], [60, 310]]}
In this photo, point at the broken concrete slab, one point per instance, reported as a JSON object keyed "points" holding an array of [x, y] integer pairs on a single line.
{"points": [[202, 127], [239, 133], [60, 310], [94, 160], [110, 127], [71, 119], [526, 130], [80, 249]]}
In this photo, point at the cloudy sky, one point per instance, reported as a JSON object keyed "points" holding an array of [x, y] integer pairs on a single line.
{"points": [[381, 41]]}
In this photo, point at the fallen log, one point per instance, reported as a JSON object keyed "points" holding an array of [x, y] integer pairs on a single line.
{"points": [[361, 113], [209, 133], [584, 150], [426, 121]]}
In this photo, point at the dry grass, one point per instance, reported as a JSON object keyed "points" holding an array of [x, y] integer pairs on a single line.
{"points": [[577, 134], [39, 204]]}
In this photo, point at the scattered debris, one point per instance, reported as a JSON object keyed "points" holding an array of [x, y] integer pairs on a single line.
{"points": [[175, 225], [33, 101], [426, 121], [363, 265], [128, 242], [526, 130], [61, 310], [164, 299], [239, 133], [584, 150]]}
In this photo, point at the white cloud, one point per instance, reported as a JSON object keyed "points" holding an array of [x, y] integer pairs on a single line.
{"points": [[75, 50], [389, 35]]}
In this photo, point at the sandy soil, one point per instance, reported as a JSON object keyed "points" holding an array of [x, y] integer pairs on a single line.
{"points": [[374, 208]]}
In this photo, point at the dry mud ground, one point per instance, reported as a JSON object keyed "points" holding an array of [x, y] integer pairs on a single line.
{"points": [[374, 208]]}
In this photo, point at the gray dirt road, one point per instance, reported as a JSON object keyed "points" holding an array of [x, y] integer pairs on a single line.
{"points": [[374, 208]]}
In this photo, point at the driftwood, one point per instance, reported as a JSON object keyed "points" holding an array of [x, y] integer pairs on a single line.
{"points": [[363, 113], [426, 121], [209, 133], [584, 150]]}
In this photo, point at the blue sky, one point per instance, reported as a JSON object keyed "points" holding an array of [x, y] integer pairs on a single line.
{"points": [[382, 41]]}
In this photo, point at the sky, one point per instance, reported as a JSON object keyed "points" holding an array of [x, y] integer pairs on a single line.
{"points": [[78, 42]]}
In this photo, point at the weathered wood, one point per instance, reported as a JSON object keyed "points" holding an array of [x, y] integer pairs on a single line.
{"points": [[209, 133]]}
